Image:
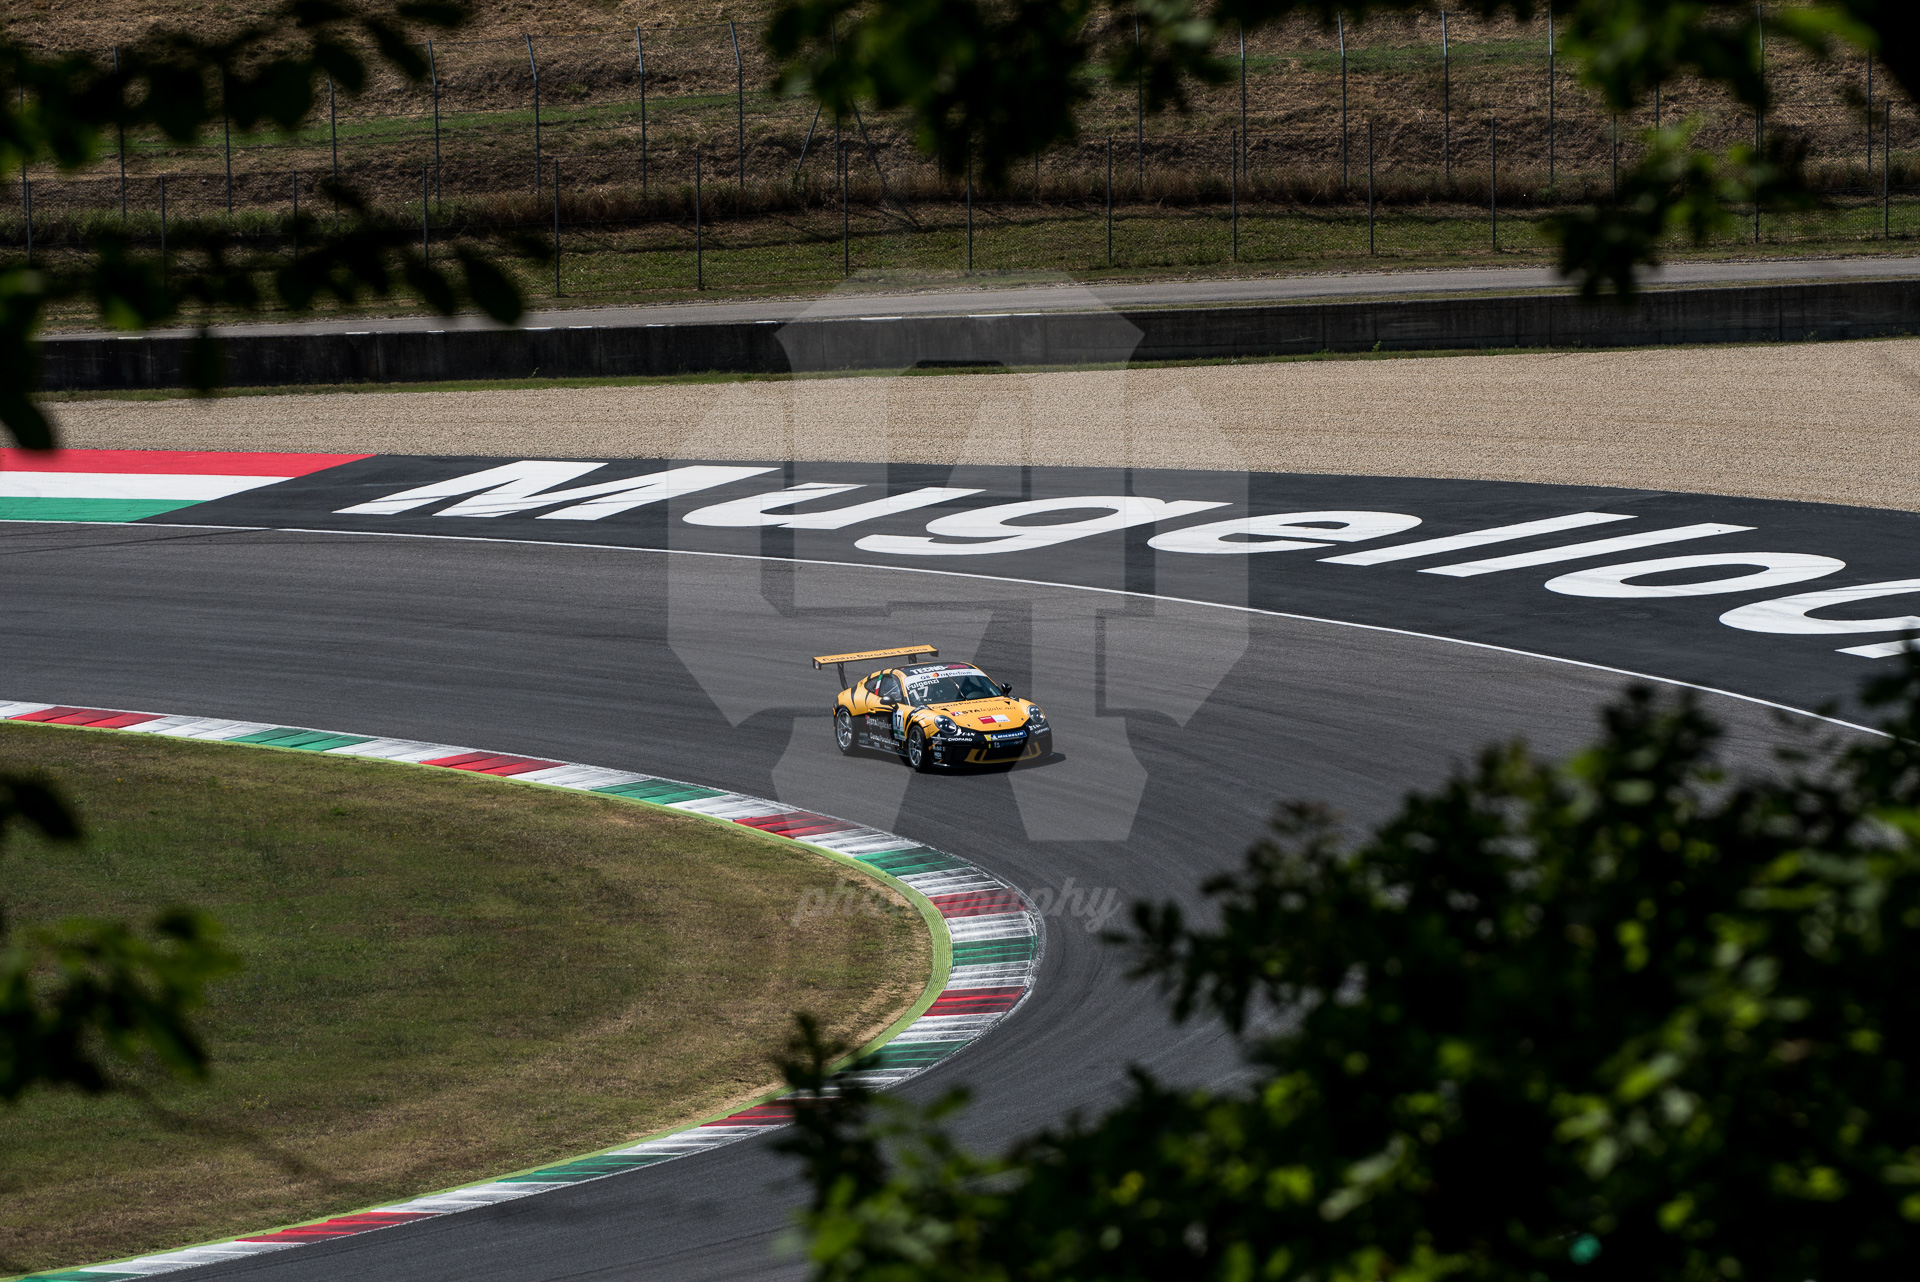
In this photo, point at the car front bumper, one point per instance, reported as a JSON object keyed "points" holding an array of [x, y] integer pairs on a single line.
{"points": [[991, 749]]}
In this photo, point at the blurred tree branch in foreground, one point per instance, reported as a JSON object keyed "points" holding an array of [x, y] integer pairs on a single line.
{"points": [[58, 110], [1619, 1018], [999, 80]]}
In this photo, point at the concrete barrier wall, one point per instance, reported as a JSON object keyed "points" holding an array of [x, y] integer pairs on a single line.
{"points": [[1746, 314]]}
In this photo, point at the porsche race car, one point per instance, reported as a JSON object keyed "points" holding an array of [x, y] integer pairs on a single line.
{"points": [[934, 714]]}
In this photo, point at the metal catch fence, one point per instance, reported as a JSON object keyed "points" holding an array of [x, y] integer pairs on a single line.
{"points": [[658, 158]]}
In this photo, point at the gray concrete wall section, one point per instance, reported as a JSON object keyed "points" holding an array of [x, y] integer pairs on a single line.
{"points": [[1824, 310]]}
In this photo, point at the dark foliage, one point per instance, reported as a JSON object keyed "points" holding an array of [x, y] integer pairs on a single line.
{"points": [[84, 1000], [1622, 1017]]}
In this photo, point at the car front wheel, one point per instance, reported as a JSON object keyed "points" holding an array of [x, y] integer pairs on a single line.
{"points": [[843, 729], [917, 755]]}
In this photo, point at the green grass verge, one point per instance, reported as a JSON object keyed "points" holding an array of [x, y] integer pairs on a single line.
{"points": [[446, 979]]}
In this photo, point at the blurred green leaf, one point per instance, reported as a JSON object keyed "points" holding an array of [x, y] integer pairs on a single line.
{"points": [[38, 803], [83, 998], [490, 289], [204, 366], [432, 286]]}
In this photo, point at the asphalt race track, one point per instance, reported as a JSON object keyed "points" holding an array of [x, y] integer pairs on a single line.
{"points": [[1191, 686]]}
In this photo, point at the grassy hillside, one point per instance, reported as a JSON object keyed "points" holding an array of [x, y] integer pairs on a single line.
{"points": [[66, 25], [1383, 150]]}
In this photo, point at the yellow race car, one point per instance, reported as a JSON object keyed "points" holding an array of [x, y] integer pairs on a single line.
{"points": [[934, 714]]}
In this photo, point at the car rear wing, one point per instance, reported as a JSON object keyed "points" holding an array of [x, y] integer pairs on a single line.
{"points": [[840, 661]]}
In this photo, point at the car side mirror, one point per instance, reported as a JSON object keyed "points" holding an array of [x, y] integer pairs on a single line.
{"points": [[1007, 690]]}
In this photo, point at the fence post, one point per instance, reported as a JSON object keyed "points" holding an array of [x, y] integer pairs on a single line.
{"points": [[426, 228], [804, 148], [846, 219], [226, 130], [1550, 94], [433, 73], [1759, 119], [640, 55], [1869, 115], [556, 227], [1446, 105], [1369, 186], [874, 156], [1236, 197], [535, 65], [1493, 186], [1110, 200], [333, 126], [699, 229], [1243, 89], [740, 101], [1886, 170], [969, 211], [1139, 113], [122, 130], [1341, 26]]}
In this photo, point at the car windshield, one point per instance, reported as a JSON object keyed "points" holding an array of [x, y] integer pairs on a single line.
{"points": [[954, 689]]}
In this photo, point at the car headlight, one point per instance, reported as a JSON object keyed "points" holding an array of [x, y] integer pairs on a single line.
{"points": [[946, 725], [1036, 718]]}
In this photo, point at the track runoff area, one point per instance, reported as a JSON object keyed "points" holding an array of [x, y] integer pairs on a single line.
{"points": [[1205, 644]]}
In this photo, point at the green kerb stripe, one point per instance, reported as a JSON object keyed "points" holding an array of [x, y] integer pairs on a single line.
{"points": [[918, 859], [659, 791], [588, 1168], [912, 1055], [23, 509], [1019, 948], [292, 737], [329, 743]]}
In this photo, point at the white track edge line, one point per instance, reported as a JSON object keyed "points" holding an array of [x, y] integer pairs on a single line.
{"points": [[1122, 592]]}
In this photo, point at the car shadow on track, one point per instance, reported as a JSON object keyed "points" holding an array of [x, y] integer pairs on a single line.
{"points": [[999, 768]]}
